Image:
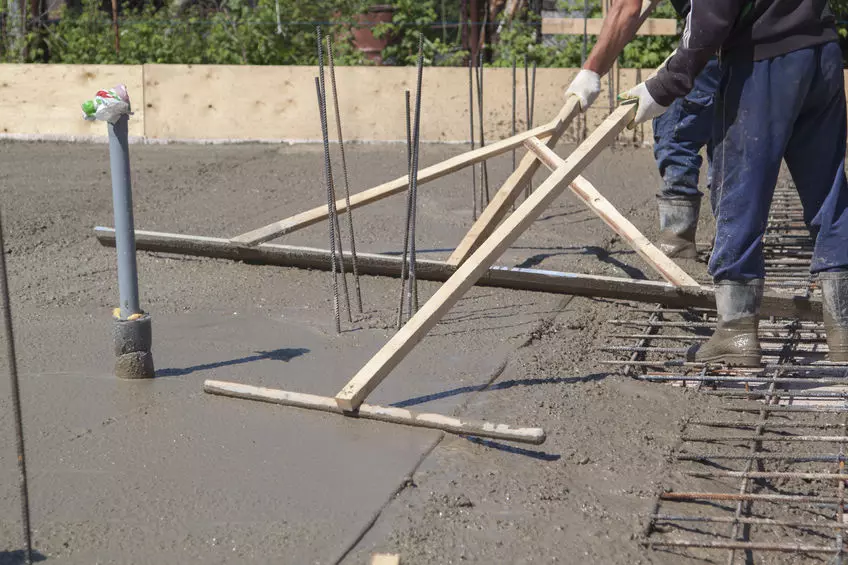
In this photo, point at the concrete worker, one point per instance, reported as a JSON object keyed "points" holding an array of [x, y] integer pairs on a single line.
{"points": [[679, 134], [781, 96]]}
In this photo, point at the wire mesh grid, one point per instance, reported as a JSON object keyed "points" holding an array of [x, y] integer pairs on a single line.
{"points": [[764, 476]]}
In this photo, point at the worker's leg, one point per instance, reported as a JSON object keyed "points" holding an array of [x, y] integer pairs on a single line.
{"points": [[679, 136], [815, 156], [755, 112]]}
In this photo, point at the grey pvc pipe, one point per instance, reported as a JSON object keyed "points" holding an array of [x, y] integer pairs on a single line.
{"points": [[119, 162]]}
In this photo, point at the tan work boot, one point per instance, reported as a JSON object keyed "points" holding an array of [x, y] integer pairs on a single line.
{"points": [[735, 341], [678, 224], [834, 287]]}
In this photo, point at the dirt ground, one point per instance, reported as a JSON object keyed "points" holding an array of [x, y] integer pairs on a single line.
{"points": [[158, 472]]}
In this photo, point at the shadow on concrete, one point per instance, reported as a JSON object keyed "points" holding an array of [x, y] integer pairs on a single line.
{"points": [[17, 557], [285, 354], [532, 453], [602, 254], [498, 386]]}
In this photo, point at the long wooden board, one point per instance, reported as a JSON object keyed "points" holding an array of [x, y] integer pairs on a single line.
{"points": [[597, 203], [574, 26], [510, 189], [433, 172], [533, 280], [391, 414], [378, 368]]}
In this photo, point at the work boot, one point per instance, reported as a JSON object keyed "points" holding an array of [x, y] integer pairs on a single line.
{"points": [[735, 341], [678, 223], [834, 286]]}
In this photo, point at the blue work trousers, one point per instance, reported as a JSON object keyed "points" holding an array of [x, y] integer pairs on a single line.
{"points": [[789, 107], [682, 131]]}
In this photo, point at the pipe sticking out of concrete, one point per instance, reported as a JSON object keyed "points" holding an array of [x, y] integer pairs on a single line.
{"points": [[132, 335], [390, 414], [119, 162]]}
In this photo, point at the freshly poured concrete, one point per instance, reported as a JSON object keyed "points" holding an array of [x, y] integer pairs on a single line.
{"points": [[159, 472]]}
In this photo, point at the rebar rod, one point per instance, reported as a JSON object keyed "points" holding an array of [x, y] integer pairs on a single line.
{"points": [[331, 207], [404, 271], [17, 413], [527, 114], [670, 519], [348, 207], [774, 498], [748, 546], [330, 201], [471, 133], [484, 169], [416, 136]]}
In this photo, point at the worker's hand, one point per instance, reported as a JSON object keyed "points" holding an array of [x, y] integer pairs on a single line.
{"points": [[586, 86], [647, 108]]}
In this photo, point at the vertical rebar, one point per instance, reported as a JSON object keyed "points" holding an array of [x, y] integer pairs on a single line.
{"points": [[532, 94], [527, 112], [119, 163], [404, 264], [330, 207], [484, 169], [514, 131], [332, 210], [348, 209], [471, 134], [12, 360], [416, 137]]}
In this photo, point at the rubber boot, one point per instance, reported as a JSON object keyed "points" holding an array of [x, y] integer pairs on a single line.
{"points": [[834, 286], [678, 223], [735, 341]]}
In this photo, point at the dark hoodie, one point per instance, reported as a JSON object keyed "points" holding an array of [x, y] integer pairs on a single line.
{"points": [[757, 29]]}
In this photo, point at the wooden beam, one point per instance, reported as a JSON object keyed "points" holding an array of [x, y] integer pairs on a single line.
{"points": [[433, 172], [511, 188], [378, 368], [574, 26], [385, 559], [390, 414], [533, 280], [597, 203]]}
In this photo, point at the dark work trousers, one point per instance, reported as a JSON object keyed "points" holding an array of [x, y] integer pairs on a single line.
{"points": [[680, 134], [789, 107]]}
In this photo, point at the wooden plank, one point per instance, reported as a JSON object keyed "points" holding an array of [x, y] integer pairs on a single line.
{"points": [[378, 368], [385, 559], [574, 26], [510, 189], [433, 172], [390, 414], [659, 261], [533, 280]]}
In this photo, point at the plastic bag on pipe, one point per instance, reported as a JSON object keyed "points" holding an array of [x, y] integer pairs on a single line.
{"points": [[107, 105]]}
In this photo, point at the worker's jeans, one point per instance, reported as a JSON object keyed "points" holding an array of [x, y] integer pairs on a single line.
{"points": [[682, 131], [790, 107]]}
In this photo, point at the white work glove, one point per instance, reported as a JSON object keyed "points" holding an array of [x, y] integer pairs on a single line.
{"points": [[647, 108], [586, 86]]}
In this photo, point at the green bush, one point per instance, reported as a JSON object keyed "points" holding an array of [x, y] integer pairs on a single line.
{"points": [[233, 33]]}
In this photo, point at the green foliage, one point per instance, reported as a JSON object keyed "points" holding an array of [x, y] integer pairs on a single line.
{"points": [[410, 20], [231, 33]]}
